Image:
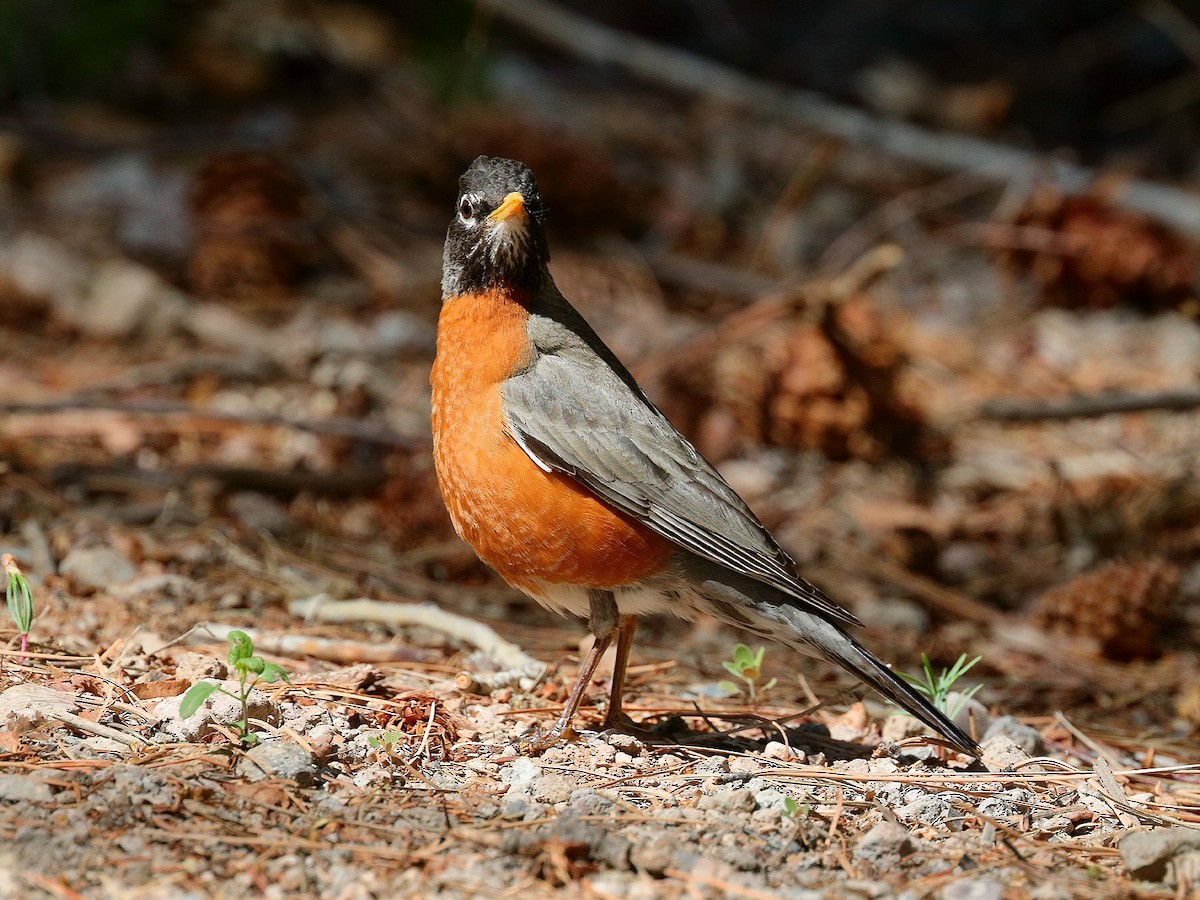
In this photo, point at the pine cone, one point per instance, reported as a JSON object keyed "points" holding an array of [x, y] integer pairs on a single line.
{"points": [[254, 236], [1121, 607], [830, 386], [1089, 254]]}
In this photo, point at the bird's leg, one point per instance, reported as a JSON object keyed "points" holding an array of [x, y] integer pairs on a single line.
{"points": [[602, 621], [616, 718]]}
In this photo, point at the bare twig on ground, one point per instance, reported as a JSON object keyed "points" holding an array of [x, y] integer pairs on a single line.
{"points": [[1176, 399], [478, 634], [354, 429], [331, 649], [944, 151]]}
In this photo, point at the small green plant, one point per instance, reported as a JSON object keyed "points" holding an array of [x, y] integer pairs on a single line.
{"points": [[794, 809], [250, 670], [385, 740], [937, 687], [20, 600], [746, 666]]}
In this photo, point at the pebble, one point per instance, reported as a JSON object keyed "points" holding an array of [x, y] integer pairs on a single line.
{"points": [[972, 717], [96, 568], [1001, 753], [259, 513], [744, 765], [655, 855], [1029, 739], [126, 298], [520, 773], [931, 810], [218, 708], [554, 787], [972, 889], [1147, 854], [279, 759], [901, 727], [25, 706], [885, 843], [731, 800], [195, 667], [18, 788]]}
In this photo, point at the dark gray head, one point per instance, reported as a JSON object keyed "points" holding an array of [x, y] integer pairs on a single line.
{"points": [[497, 237]]}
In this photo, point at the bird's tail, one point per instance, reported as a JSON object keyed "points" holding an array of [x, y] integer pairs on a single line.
{"points": [[837, 646], [739, 600]]}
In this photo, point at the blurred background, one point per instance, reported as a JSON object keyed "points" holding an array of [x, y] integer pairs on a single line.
{"points": [[924, 284]]}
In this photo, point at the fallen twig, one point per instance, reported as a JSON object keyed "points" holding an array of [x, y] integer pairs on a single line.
{"points": [[478, 634], [330, 649], [1006, 410], [685, 71], [354, 429]]}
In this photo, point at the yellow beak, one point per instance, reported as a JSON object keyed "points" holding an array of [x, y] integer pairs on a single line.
{"points": [[512, 205]]}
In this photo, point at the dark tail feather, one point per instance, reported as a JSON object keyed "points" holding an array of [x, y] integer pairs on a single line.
{"points": [[842, 649]]}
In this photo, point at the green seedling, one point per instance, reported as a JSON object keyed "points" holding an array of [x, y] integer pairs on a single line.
{"points": [[746, 666], [20, 601], [250, 670], [937, 687], [794, 809]]}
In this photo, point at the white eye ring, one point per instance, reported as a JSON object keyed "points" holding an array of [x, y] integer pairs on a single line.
{"points": [[466, 210]]}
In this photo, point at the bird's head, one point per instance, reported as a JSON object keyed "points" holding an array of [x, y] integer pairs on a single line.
{"points": [[497, 237]]}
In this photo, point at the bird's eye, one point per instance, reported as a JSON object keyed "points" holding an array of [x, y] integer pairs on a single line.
{"points": [[466, 209]]}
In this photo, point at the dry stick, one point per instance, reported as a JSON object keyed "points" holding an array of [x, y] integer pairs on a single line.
{"points": [[478, 634], [943, 151], [1176, 399], [331, 649], [367, 432]]}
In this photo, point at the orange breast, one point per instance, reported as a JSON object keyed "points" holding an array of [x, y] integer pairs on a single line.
{"points": [[526, 523]]}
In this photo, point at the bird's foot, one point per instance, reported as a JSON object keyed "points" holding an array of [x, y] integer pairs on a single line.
{"points": [[562, 731], [619, 723]]}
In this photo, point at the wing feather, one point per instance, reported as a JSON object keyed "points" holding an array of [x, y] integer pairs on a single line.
{"points": [[595, 425]]}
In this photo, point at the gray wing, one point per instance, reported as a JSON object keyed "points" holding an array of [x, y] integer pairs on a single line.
{"points": [[594, 424]]}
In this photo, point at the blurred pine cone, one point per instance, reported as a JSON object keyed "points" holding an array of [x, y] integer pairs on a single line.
{"points": [[253, 231], [830, 386], [1089, 254], [1121, 607]]}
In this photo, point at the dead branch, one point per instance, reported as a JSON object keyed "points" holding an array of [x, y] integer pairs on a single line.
{"points": [[1006, 410], [478, 634], [948, 152], [330, 649], [353, 429]]}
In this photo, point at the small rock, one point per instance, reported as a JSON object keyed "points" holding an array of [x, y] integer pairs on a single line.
{"points": [[520, 773], [1149, 854], [126, 298], [744, 765], [260, 513], [24, 788], [892, 614], [972, 716], [554, 787], [1024, 736], [218, 708], [885, 843], [279, 759], [195, 667], [626, 743], [973, 889], [1001, 753], [654, 856], [519, 805], [928, 811], [96, 568], [586, 802], [398, 331], [851, 725], [781, 751], [732, 801], [25, 706], [901, 727]]}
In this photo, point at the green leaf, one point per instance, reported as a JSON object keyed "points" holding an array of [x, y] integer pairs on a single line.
{"points": [[743, 656], [255, 664], [770, 684], [729, 688], [240, 647], [732, 669], [195, 697], [273, 672], [19, 598]]}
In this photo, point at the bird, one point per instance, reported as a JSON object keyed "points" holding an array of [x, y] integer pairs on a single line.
{"points": [[565, 478]]}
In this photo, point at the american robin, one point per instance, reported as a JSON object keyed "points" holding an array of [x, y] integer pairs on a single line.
{"points": [[571, 484]]}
